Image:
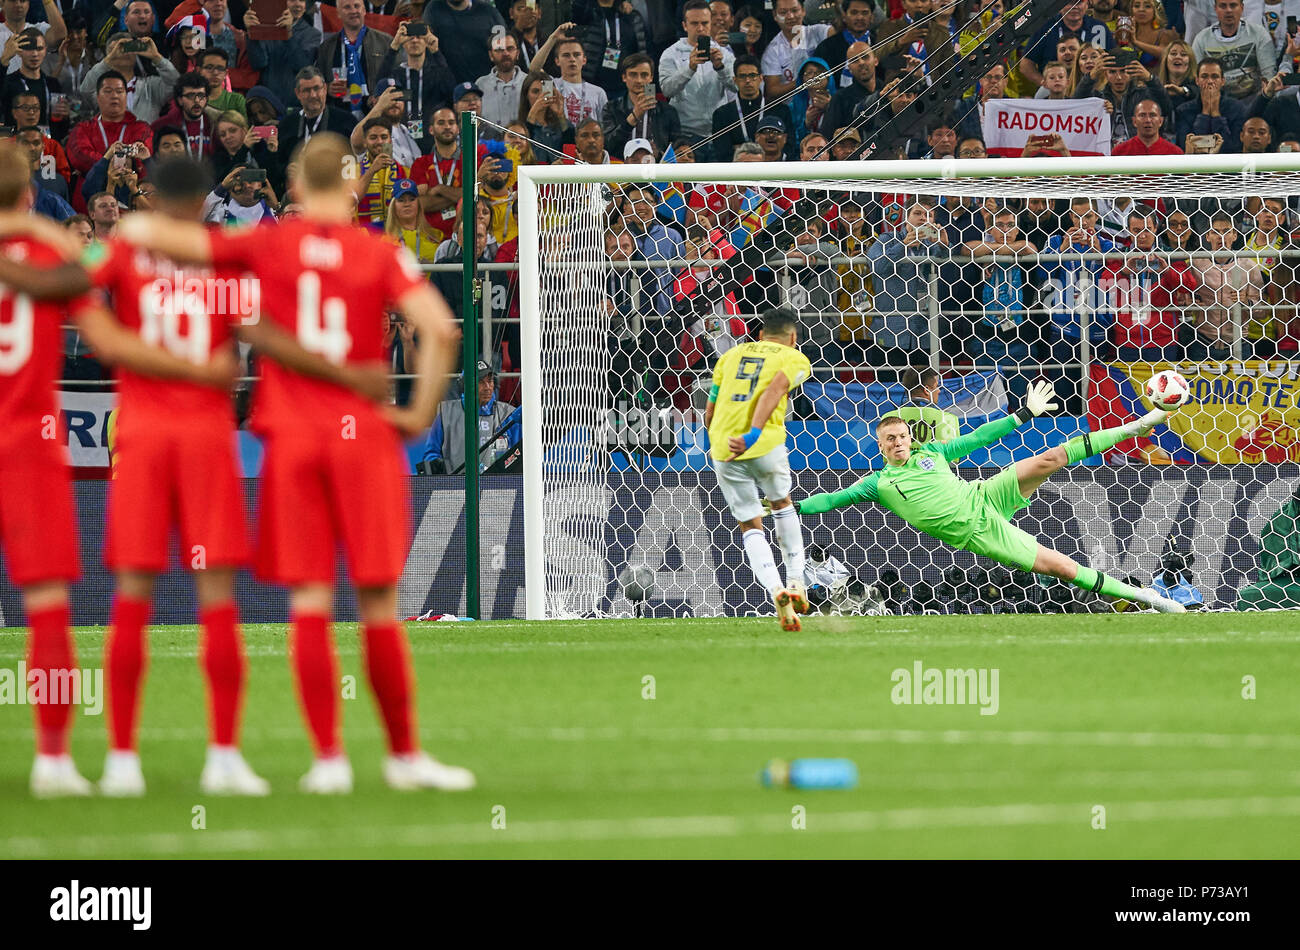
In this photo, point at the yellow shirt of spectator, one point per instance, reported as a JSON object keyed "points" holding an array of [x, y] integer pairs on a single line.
{"points": [[742, 373]]}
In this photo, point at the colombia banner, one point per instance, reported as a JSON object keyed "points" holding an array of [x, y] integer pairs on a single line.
{"points": [[1245, 411]]}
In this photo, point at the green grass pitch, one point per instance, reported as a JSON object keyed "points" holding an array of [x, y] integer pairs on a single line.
{"points": [[1141, 715]]}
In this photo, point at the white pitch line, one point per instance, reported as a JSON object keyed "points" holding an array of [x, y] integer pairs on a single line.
{"points": [[422, 644], [267, 843], [1165, 740]]}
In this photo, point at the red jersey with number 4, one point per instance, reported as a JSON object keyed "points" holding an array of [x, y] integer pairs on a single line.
{"points": [[187, 312], [331, 285], [31, 353]]}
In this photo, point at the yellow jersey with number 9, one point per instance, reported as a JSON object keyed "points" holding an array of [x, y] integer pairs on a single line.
{"points": [[740, 377]]}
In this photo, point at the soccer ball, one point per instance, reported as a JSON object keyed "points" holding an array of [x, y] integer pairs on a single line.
{"points": [[637, 581], [1168, 390]]}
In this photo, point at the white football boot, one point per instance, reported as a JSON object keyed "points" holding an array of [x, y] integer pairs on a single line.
{"points": [[122, 775], [331, 776], [420, 770], [785, 600], [55, 776], [798, 598], [226, 773], [1163, 604]]}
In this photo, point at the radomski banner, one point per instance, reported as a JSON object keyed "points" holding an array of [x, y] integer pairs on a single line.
{"points": [[1082, 124], [1241, 412], [675, 523]]}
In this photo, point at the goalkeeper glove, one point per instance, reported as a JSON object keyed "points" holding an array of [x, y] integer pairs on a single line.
{"points": [[1038, 400]]}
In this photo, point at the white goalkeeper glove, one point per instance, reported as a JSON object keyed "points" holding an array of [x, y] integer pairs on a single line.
{"points": [[1039, 400]]}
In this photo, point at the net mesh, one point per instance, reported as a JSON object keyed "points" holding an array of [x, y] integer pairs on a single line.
{"points": [[1093, 283]]}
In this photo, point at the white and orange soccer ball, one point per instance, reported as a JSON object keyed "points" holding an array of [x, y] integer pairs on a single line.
{"points": [[1168, 390]]}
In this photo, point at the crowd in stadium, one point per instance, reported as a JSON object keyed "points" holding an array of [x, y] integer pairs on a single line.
{"points": [[99, 91]]}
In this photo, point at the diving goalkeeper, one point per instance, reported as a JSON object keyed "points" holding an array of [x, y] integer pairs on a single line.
{"points": [[920, 487]]}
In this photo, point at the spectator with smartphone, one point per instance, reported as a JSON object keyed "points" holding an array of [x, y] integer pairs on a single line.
{"points": [[90, 139], [379, 172], [30, 78], [609, 31], [230, 145], [1121, 81], [72, 59], [464, 28], [15, 21], [638, 113], [244, 197], [390, 104], [542, 112], [415, 60], [582, 100], [496, 175], [1073, 21], [1279, 105], [901, 277], [1215, 118], [696, 73], [146, 95], [278, 61]]}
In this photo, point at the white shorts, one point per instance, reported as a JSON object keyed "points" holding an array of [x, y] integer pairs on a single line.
{"points": [[745, 481]]}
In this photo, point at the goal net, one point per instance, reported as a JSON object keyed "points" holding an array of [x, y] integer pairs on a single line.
{"points": [[1092, 275]]}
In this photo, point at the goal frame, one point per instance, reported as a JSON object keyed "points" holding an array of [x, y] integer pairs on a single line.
{"points": [[530, 177]]}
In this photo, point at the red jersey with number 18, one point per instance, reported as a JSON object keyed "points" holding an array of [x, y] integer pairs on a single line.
{"points": [[330, 285]]}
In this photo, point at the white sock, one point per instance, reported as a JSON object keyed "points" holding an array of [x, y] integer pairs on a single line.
{"points": [[790, 536], [760, 560]]}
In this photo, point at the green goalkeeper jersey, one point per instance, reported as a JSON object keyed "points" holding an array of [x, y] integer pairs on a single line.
{"points": [[924, 491]]}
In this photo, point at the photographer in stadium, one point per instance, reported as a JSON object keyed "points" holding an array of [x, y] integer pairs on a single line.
{"points": [[444, 452]]}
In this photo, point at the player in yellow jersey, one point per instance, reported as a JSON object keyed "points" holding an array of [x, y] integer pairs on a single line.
{"points": [[746, 430]]}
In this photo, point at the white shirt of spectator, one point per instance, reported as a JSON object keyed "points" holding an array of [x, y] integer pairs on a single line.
{"points": [[16, 63], [582, 101], [1272, 17], [782, 59], [695, 95], [501, 97]]}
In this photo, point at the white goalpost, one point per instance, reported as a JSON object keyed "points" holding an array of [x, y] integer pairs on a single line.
{"points": [[889, 266]]}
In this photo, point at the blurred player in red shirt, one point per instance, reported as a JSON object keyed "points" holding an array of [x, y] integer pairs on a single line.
{"points": [[37, 527], [176, 465], [335, 470]]}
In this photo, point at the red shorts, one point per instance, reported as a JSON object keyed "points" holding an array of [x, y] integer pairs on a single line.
{"points": [[37, 526], [185, 475], [320, 491]]}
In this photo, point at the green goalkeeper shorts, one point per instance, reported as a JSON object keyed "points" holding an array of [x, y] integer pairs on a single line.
{"points": [[996, 536]]}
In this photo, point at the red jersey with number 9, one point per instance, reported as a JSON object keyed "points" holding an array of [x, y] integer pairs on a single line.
{"points": [[331, 286], [186, 312], [31, 353]]}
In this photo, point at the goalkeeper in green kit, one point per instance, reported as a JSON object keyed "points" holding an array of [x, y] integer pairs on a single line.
{"points": [[920, 487]]}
